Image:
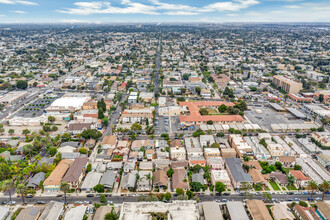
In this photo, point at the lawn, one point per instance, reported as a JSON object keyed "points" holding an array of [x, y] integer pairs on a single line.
{"points": [[274, 185], [291, 188], [287, 170]]}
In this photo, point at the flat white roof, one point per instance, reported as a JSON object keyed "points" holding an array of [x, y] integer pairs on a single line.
{"points": [[67, 102]]}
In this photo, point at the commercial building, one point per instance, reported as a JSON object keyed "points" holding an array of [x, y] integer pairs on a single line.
{"points": [[195, 118], [287, 84], [178, 210], [67, 104], [12, 97]]}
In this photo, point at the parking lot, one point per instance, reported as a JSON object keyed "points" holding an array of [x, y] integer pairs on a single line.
{"points": [[265, 116], [36, 108]]}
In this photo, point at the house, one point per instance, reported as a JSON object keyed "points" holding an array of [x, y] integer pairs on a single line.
{"points": [[324, 159], [91, 180], [178, 179], [144, 182], [236, 172], [90, 143], [76, 172], [287, 161], [78, 127], [30, 213], [305, 213], [323, 209], [53, 182], [280, 211], [280, 177], [197, 177], [176, 143], [258, 210], [206, 140], [53, 210], [35, 181], [146, 165], [160, 178], [129, 166], [300, 178], [109, 141], [108, 179], [128, 180]]}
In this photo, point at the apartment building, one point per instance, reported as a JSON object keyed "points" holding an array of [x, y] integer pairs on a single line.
{"points": [[287, 84]]}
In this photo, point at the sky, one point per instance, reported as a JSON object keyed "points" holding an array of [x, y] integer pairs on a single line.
{"points": [[162, 11]]}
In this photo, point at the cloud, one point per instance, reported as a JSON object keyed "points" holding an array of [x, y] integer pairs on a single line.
{"points": [[292, 6], [14, 2], [155, 7], [180, 13], [72, 21], [19, 12]]}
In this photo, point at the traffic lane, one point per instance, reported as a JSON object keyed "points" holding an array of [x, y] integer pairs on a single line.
{"points": [[121, 199]]}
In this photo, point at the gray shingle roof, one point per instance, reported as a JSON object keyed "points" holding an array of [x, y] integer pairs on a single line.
{"points": [[235, 166]]}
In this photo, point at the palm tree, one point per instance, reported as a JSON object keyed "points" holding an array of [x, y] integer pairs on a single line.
{"points": [[314, 117], [324, 122], [21, 189], [286, 96], [324, 187], [65, 187], [291, 180], [312, 186], [7, 185]]}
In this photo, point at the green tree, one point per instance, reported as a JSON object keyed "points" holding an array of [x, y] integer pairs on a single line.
{"points": [[21, 190], [321, 98], [21, 84], [136, 127], [65, 187], [83, 150], [2, 130], [222, 108], [26, 131], [170, 172], [5, 172], [105, 121], [198, 90], [7, 185], [324, 187], [100, 113], [11, 131], [99, 188], [111, 216], [324, 122], [168, 196], [312, 186], [91, 133], [66, 137], [52, 151], [190, 194], [103, 199], [102, 105], [179, 191], [220, 187], [203, 111], [51, 119]]}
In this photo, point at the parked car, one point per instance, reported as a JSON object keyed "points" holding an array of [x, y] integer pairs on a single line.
{"points": [[90, 195], [40, 203], [29, 196]]}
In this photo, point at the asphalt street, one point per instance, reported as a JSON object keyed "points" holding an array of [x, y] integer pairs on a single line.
{"points": [[121, 199]]}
